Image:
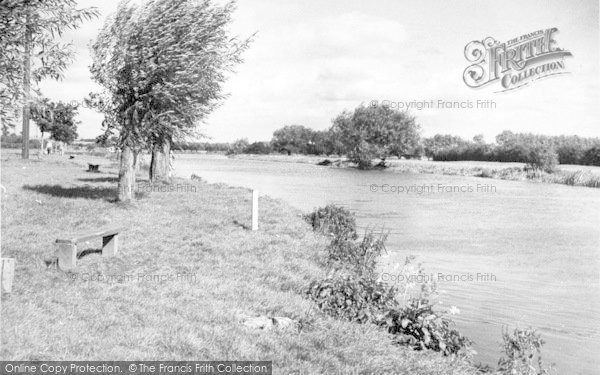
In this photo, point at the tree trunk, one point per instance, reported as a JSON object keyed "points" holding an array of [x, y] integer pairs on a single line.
{"points": [[136, 163], [26, 86], [160, 162], [127, 175]]}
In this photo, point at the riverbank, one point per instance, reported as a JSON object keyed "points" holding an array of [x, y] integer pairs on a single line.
{"points": [[188, 273], [575, 175]]}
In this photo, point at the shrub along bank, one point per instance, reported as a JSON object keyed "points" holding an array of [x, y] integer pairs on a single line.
{"points": [[352, 292]]}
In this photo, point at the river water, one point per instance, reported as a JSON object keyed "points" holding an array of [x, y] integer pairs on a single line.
{"points": [[506, 253]]}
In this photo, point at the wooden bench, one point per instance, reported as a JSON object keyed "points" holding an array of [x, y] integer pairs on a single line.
{"points": [[93, 168], [67, 247]]}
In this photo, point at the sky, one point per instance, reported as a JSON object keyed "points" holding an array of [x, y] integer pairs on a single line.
{"points": [[311, 60]]}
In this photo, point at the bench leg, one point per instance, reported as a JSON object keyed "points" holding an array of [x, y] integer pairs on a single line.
{"points": [[110, 246], [67, 256]]}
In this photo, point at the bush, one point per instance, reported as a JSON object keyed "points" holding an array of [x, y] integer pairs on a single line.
{"points": [[417, 325], [361, 298], [511, 154], [467, 152], [238, 147], [523, 351], [351, 291], [542, 158], [360, 257], [333, 220], [352, 297], [258, 148]]}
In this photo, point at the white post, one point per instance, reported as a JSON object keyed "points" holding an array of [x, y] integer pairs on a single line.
{"points": [[7, 273], [254, 209]]}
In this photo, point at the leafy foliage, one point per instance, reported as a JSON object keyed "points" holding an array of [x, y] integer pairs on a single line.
{"points": [[376, 132], [523, 351], [292, 139], [419, 326], [161, 66], [352, 292], [201, 146], [542, 158], [303, 140], [358, 256], [42, 113], [592, 156], [352, 297], [514, 147], [442, 142], [49, 58], [238, 146], [56, 118], [258, 148], [416, 321], [334, 221]]}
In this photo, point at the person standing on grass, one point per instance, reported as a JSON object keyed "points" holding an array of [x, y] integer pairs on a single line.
{"points": [[49, 147], [171, 161], [60, 146]]}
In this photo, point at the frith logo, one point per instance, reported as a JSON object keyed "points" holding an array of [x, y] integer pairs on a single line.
{"points": [[515, 63]]}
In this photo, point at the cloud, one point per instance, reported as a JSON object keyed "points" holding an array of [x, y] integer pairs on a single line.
{"points": [[310, 61]]}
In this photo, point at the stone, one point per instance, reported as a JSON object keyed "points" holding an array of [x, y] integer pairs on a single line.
{"points": [[285, 324], [259, 322], [278, 323]]}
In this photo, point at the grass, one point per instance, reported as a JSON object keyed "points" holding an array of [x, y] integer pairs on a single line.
{"points": [[142, 310], [575, 178]]}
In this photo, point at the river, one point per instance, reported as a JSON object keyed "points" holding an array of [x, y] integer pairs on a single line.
{"points": [[506, 253]]}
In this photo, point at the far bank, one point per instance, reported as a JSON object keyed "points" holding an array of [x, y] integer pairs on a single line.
{"points": [[567, 174]]}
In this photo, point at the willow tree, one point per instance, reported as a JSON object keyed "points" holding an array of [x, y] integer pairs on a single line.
{"points": [[161, 65], [30, 50], [376, 132]]}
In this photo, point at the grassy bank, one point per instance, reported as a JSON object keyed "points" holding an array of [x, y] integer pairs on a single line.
{"points": [[187, 274], [575, 175]]}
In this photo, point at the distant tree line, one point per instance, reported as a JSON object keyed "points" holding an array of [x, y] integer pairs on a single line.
{"points": [[514, 147], [379, 132], [201, 146], [15, 141], [291, 139]]}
